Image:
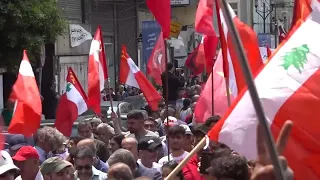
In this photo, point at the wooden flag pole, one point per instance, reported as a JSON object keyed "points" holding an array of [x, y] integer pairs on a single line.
{"points": [[252, 89], [195, 150], [228, 90]]}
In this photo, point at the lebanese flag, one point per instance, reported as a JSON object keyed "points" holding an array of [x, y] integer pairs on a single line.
{"points": [[231, 69], [288, 87], [97, 71], [71, 104], [131, 75], [28, 109], [301, 10], [156, 63], [162, 13]]}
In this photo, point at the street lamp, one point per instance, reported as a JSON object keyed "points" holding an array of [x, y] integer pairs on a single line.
{"points": [[265, 12]]}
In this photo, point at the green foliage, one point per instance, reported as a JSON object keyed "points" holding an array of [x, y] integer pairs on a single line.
{"points": [[27, 24], [297, 57]]}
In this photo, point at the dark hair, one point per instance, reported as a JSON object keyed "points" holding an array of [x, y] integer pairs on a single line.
{"points": [[84, 152], [186, 103], [169, 66], [118, 139], [212, 119], [135, 114], [172, 165], [176, 130], [231, 167]]}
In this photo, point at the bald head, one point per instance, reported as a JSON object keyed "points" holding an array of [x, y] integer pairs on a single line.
{"points": [[120, 171], [87, 143], [130, 144]]}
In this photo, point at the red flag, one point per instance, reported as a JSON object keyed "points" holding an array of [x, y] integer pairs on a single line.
{"points": [[196, 60], [161, 9], [28, 109], [203, 22], [157, 60], [131, 75], [72, 104], [301, 10], [210, 44], [97, 71]]}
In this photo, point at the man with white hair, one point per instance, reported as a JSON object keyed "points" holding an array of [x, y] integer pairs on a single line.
{"points": [[105, 132]]}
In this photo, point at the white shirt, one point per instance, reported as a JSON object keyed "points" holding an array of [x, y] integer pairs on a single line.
{"points": [[155, 165], [176, 159], [38, 177], [96, 175]]}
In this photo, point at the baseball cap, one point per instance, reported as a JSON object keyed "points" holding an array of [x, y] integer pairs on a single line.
{"points": [[149, 144], [53, 164], [172, 121], [6, 163], [187, 129], [16, 141], [26, 152]]}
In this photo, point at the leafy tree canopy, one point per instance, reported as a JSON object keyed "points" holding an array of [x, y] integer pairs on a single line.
{"points": [[27, 24]]}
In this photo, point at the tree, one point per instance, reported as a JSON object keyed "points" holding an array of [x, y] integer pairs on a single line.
{"points": [[27, 24], [297, 57]]}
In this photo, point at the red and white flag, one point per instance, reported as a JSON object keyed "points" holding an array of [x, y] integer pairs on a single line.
{"points": [[71, 104], [28, 109], [131, 75], [97, 71], [157, 60], [231, 68], [288, 88]]}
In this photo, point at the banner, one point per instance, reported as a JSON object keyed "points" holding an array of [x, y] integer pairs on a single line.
{"points": [[150, 34]]}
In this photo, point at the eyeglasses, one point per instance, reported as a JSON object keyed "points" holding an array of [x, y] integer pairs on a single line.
{"points": [[86, 167]]}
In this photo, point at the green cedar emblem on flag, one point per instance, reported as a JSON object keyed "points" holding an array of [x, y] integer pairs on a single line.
{"points": [[68, 88], [297, 57]]}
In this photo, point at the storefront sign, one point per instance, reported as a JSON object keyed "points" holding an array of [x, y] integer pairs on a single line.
{"points": [[180, 2]]}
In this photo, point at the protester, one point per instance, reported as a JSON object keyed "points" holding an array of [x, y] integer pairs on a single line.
{"points": [[47, 140], [131, 144], [56, 168], [176, 135], [15, 142], [168, 167], [148, 153], [188, 138], [7, 168], [97, 163], [174, 83], [85, 131], [83, 163], [115, 142], [126, 157], [120, 171], [27, 160], [151, 125]]}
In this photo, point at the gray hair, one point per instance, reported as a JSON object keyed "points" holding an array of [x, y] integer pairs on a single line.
{"points": [[123, 156], [107, 127], [84, 123], [50, 135]]}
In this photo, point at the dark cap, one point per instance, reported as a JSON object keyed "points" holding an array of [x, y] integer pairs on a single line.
{"points": [[53, 164], [200, 128], [149, 143], [16, 141]]}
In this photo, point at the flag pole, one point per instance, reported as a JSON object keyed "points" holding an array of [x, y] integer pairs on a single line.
{"points": [[110, 97], [252, 89], [167, 95], [228, 90]]}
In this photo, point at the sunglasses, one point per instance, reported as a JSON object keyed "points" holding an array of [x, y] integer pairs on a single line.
{"points": [[86, 167]]}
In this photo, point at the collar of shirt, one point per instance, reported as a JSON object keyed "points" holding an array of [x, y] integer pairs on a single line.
{"points": [[42, 154], [96, 174]]}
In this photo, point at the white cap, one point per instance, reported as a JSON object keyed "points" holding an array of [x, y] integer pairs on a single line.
{"points": [[172, 121], [187, 129], [6, 163]]}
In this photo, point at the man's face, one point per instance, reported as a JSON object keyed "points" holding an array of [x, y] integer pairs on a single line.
{"points": [[9, 175], [176, 142], [198, 136], [64, 174], [134, 125], [84, 167], [188, 140], [94, 126], [114, 146], [130, 147], [104, 135], [85, 131], [149, 155], [29, 165], [150, 125]]}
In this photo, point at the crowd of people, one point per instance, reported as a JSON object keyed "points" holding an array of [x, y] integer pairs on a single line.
{"points": [[150, 147]]}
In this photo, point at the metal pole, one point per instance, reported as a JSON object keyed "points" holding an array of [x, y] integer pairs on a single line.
{"points": [[167, 95], [253, 91], [264, 17], [275, 27]]}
